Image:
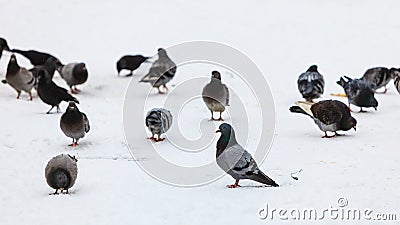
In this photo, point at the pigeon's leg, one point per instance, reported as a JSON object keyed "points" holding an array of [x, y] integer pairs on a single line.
{"points": [[129, 74], [350, 108], [58, 108], [66, 191], [361, 110], [159, 91], [384, 92], [19, 94], [48, 112], [212, 116], [327, 136], [152, 137], [76, 89], [220, 117], [30, 96], [74, 142], [235, 185], [55, 193], [165, 87]]}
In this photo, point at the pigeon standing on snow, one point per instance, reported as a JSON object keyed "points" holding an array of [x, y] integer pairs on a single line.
{"points": [[311, 84], [329, 115], [74, 123], [19, 78], [378, 77], [52, 94], [3, 46], [61, 172], [358, 93], [130, 62], [158, 121], [236, 161], [216, 95], [74, 74], [36, 58], [161, 72]]}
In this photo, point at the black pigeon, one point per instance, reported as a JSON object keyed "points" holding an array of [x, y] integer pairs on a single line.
{"points": [[378, 77], [130, 62], [61, 172], [358, 93], [216, 95], [52, 94], [36, 58], [311, 84], [236, 161], [74, 123], [74, 74], [329, 115], [3, 46]]}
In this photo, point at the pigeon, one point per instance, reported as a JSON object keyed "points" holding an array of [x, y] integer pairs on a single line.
{"points": [[378, 77], [216, 95], [358, 93], [236, 161], [52, 94], [74, 123], [50, 66], [19, 78], [61, 172], [130, 62], [36, 58], [161, 72], [396, 78], [329, 115], [311, 84], [158, 121], [74, 74], [3, 46]]}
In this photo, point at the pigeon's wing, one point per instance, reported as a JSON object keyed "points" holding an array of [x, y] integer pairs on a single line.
{"points": [[227, 95], [86, 123], [327, 112], [238, 160]]}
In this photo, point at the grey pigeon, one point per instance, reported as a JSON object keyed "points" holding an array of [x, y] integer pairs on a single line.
{"points": [[74, 74], [329, 115], [311, 84], [161, 72], [358, 93], [50, 93], [35, 57], [396, 78], [74, 123], [216, 95], [158, 121], [3, 46], [131, 63], [236, 161], [19, 78], [61, 172], [378, 77]]}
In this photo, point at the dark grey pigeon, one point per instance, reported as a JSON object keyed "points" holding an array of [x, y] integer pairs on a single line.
{"points": [[329, 115], [131, 63], [236, 161], [378, 77], [216, 95], [36, 58], [74, 123], [358, 93], [52, 94], [311, 84], [50, 66], [61, 172], [19, 78], [158, 121], [161, 72], [74, 74], [3, 46]]}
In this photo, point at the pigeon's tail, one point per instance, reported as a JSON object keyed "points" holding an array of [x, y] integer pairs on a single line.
{"points": [[69, 98], [262, 178], [297, 109], [4, 81], [149, 78]]}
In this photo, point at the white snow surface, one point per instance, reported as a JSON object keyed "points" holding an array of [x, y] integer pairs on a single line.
{"points": [[282, 37]]}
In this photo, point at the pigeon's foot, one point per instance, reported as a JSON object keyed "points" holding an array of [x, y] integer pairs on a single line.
{"points": [[30, 97], [235, 185], [159, 139], [362, 111], [220, 119], [350, 108], [336, 134], [74, 144], [165, 87]]}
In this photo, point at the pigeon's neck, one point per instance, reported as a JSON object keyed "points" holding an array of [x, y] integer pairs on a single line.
{"points": [[225, 141], [13, 67]]}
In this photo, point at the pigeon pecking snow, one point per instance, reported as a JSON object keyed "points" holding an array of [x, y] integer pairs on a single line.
{"points": [[236, 161], [378, 77], [329, 115], [61, 172], [161, 72], [158, 121], [311, 84], [74, 123], [131, 63], [216, 95]]}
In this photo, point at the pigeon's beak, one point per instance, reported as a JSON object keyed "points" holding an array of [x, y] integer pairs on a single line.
{"points": [[355, 129], [218, 131]]}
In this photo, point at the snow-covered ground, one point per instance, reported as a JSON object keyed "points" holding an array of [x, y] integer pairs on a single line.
{"points": [[282, 37]]}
